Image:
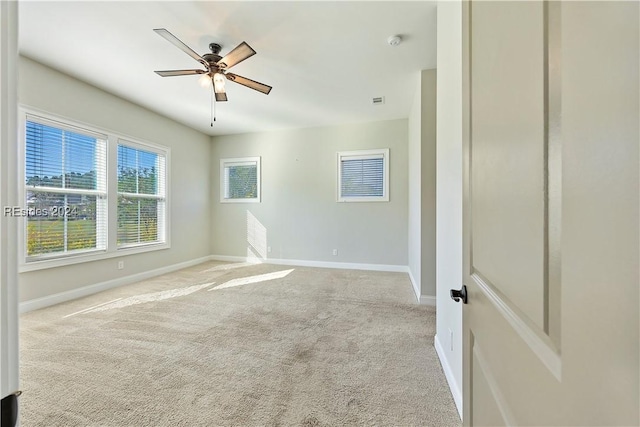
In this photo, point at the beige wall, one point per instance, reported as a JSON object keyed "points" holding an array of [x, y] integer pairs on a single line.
{"points": [[428, 190], [299, 216], [415, 187], [298, 213], [449, 193], [422, 188], [56, 93]]}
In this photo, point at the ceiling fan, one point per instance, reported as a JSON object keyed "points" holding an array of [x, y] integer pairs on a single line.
{"points": [[216, 66]]}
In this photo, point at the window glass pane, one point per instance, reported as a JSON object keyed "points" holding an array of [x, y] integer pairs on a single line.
{"points": [[140, 218], [148, 220], [65, 175], [241, 182], [137, 171], [43, 155], [127, 220], [362, 177], [79, 161], [60, 223], [81, 224], [45, 233], [137, 220], [59, 158], [127, 170], [66, 190]]}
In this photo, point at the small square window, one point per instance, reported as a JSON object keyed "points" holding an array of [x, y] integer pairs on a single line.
{"points": [[240, 180], [363, 176]]}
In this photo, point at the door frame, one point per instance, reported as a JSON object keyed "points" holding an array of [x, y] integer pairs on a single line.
{"points": [[9, 350]]}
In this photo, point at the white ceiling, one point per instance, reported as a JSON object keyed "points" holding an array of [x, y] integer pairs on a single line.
{"points": [[325, 60]]}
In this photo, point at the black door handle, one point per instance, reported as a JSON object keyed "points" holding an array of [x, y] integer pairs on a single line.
{"points": [[10, 409], [458, 295]]}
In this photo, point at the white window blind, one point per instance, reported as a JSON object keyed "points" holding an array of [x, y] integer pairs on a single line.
{"points": [[363, 175], [240, 179], [141, 196], [65, 189]]}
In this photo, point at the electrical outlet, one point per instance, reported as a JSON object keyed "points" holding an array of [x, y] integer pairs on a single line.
{"points": [[269, 249], [120, 265], [335, 252], [451, 339]]}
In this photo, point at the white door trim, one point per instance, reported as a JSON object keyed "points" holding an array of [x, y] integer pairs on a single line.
{"points": [[8, 196]]}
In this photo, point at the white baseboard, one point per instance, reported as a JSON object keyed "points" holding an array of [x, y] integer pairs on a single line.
{"points": [[427, 300], [453, 385], [58, 298], [320, 264], [416, 287], [422, 299]]}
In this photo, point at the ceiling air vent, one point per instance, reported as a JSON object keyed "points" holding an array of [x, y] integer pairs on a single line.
{"points": [[378, 100]]}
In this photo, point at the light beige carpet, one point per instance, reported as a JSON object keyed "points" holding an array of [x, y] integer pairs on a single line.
{"points": [[243, 345]]}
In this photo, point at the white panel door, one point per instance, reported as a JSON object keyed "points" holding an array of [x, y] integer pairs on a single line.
{"points": [[551, 228]]}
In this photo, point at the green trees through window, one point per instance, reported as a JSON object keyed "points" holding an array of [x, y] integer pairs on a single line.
{"points": [[66, 193], [243, 182], [65, 189], [240, 179], [140, 195]]}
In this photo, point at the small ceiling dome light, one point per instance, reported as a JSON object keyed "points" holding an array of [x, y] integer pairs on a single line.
{"points": [[394, 40]]}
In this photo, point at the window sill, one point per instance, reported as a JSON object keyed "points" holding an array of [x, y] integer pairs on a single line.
{"points": [[240, 201], [362, 199], [89, 257]]}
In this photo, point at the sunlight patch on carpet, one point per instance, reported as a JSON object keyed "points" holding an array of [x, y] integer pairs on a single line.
{"points": [[225, 267], [91, 308], [253, 279], [145, 298]]}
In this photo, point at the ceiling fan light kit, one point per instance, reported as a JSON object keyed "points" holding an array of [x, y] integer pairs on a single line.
{"points": [[216, 67], [205, 81]]}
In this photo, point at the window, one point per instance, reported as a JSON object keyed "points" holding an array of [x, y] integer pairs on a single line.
{"points": [[88, 194], [141, 195], [363, 176], [240, 180], [65, 184]]}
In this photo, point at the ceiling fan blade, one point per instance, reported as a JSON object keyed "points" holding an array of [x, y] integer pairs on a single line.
{"points": [[172, 73], [260, 87], [177, 43], [237, 55], [221, 97]]}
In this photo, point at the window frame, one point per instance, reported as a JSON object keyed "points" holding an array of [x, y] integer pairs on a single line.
{"points": [[239, 161], [363, 154], [162, 188], [25, 263], [101, 193]]}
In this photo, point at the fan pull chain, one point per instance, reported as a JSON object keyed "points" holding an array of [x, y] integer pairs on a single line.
{"points": [[213, 106]]}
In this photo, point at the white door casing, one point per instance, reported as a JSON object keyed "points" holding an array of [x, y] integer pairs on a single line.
{"points": [[551, 230], [8, 197]]}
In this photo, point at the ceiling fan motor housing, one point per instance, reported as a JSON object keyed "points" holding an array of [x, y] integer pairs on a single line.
{"points": [[215, 48], [213, 58]]}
